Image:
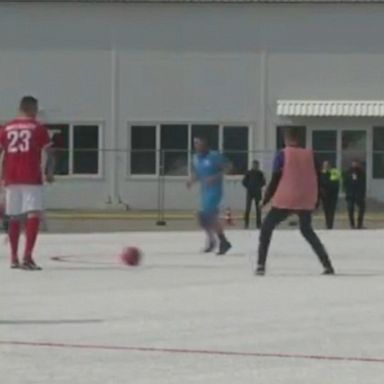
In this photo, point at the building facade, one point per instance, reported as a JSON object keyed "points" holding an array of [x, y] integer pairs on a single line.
{"points": [[125, 86]]}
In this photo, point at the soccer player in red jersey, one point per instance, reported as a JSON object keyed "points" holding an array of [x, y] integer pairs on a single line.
{"points": [[25, 144]]}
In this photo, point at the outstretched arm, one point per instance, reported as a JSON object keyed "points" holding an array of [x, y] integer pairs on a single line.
{"points": [[245, 180], [192, 180], [49, 164], [272, 187], [318, 176]]}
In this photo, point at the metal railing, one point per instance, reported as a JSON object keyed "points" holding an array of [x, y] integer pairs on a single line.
{"points": [[163, 172]]}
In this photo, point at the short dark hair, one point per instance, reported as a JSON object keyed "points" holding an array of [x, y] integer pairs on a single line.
{"points": [[292, 133], [28, 103], [202, 139]]}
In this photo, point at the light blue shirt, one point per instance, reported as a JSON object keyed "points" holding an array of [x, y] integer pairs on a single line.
{"points": [[206, 166]]}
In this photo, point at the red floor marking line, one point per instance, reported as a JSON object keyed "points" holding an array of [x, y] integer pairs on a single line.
{"points": [[75, 260], [192, 351], [63, 259]]}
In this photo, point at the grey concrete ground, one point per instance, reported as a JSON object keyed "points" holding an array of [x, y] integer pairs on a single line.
{"points": [[83, 225]]}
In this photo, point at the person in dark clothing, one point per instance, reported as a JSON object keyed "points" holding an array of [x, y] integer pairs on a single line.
{"points": [[329, 186], [293, 189], [355, 193], [253, 182]]}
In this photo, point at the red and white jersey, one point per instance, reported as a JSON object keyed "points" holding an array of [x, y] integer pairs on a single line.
{"points": [[22, 141]]}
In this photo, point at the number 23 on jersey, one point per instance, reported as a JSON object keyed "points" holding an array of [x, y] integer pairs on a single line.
{"points": [[19, 140]]}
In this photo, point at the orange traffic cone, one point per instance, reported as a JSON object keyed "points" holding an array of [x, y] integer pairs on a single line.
{"points": [[228, 217]]}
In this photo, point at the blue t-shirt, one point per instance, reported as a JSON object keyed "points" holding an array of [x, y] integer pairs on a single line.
{"points": [[206, 166], [278, 162]]}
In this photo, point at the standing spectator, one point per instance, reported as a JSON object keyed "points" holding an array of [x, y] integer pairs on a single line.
{"points": [[330, 186], [355, 193], [253, 182]]}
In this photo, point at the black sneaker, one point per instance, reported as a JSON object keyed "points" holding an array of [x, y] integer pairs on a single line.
{"points": [[15, 265], [210, 247], [30, 265], [224, 247], [329, 271], [260, 270]]}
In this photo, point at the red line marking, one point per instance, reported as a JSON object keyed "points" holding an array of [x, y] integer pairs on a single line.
{"points": [[75, 259], [192, 351]]}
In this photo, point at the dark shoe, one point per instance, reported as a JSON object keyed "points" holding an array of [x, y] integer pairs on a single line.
{"points": [[224, 247], [260, 270], [329, 271], [210, 247], [30, 265], [15, 265]]}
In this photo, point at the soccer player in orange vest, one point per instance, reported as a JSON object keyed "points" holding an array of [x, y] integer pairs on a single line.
{"points": [[294, 189]]}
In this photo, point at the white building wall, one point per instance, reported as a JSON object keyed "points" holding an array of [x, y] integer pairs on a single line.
{"points": [[70, 86], [181, 63], [323, 76], [183, 87]]}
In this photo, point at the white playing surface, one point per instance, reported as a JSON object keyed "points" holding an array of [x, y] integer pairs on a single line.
{"points": [[180, 317]]}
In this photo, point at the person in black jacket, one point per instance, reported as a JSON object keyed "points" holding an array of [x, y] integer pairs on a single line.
{"points": [[355, 193], [253, 182], [329, 187]]}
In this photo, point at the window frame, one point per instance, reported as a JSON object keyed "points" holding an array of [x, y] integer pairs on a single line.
{"points": [[71, 124], [371, 156], [129, 176]]}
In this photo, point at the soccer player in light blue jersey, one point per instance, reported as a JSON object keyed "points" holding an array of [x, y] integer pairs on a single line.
{"points": [[208, 170]]}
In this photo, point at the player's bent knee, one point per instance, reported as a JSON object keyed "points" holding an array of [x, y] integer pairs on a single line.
{"points": [[34, 214]]}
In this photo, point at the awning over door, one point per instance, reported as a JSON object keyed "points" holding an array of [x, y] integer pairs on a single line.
{"points": [[357, 108]]}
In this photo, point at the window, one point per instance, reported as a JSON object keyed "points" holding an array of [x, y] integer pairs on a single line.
{"points": [[166, 148], [174, 149], [378, 153], [77, 148], [143, 153], [60, 138], [235, 148], [280, 136], [85, 149], [324, 143]]}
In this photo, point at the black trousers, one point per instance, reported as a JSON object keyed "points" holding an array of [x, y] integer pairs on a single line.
{"points": [[329, 206], [360, 203], [275, 217], [248, 207]]}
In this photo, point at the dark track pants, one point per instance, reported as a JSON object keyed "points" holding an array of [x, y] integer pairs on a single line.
{"points": [[248, 206], [275, 217], [360, 203], [329, 207]]}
